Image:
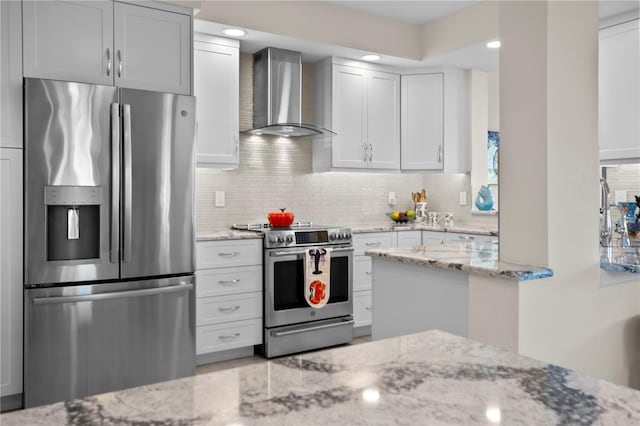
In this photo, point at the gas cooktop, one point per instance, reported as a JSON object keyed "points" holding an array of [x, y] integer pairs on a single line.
{"points": [[299, 234]]}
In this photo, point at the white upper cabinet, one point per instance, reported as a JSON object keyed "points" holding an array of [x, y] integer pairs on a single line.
{"points": [[10, 74], [152, 49], [69, 40], [422, 142], [362, 106], [619, 91], [104, 42], [216, 87]]}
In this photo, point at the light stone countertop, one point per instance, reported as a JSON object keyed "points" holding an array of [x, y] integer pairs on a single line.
{"points": [[419, 379], [620, 259], [472, 257], [230, 234], [390, 226]]}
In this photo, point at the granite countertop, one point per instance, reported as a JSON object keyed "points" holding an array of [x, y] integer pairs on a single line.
{"points": [[472, 257], [620, 259], [426, 378], [229, 234], [390, 226]]}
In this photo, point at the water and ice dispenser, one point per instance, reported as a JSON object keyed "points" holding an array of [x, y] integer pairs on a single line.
{"points": [[73, 222]]}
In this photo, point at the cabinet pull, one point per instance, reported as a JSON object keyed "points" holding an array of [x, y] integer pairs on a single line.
{"points": [[119, 64], [368, 308], [229, 282], [232, 309], [365, 148], [228, 253], [108, 62], [370, 152], [228, 336], [466, 237], [439, 153], [237, 146], [377, 243], [368, 273]]}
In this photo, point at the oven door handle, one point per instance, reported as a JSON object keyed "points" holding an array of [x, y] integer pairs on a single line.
{"points": [[293, 253], [307, 329]]}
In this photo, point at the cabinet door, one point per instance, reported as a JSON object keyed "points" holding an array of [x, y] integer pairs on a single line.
{"points": [[68, 40], [10, 74], [362, 308], [11, 286], [430, 238], [422, 122], [349, 117], [619, 91], [152, 49], [409, 238], [216, 87], [383, 120]]}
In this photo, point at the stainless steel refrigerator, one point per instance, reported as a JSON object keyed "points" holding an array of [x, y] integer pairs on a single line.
{"points": [[109, 239]]}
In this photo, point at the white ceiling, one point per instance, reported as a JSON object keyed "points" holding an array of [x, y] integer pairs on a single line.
{"points": [[417, 12]]}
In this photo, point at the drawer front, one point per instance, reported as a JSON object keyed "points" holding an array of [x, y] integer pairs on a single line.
{"points": [[455, 237], [375, 240], [361, 273], [409, 238], [220, 309], [362, 308], [430, 238], [223, 281], [220, 254], [221, 337]]}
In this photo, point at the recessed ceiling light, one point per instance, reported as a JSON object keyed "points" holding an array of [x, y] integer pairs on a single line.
{"points": [[371, 57], [493, 44], [234, 32]]}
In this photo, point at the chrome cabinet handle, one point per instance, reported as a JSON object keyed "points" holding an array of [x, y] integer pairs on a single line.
{"points": [[365, 149], [228, 253], [439, 153], [368, 308], [232, 309], [368, 273], [119, 64], [228, 336], [108, 62], [377, 243], [229, 282], [237, 146], [370, 152], [466, 237], [115, 181], [128, 198]]}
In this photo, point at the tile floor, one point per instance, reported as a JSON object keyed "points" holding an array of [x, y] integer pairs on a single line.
{"points": [[240, 362]]}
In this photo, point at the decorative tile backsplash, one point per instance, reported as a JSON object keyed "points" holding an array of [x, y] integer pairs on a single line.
{"points": [[277, 172], [625, 177]]}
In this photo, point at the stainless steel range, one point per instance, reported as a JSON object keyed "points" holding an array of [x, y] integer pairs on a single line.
{"points": [[290, 323]]}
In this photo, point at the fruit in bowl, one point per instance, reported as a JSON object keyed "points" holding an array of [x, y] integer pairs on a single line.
{"points": [[402, 217]]}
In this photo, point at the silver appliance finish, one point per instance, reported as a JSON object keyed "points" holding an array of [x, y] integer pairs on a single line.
{"points": [[87, 339], [125, 316], [277, 94]]}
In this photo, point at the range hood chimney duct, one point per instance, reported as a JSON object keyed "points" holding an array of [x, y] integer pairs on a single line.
{"points": [[277, 95]]}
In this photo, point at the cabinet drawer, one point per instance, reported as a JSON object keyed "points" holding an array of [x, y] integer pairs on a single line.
{"points": [[220, 337], [220, 254], [456, 237], [361, 273], [220, 309], [221, 281], [375, 240], [362, 308]]}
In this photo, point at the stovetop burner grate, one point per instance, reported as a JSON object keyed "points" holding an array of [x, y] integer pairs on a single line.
{"points": [[267, 227]]}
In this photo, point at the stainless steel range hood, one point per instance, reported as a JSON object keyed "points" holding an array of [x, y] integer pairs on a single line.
{"points": [[277, 95]]}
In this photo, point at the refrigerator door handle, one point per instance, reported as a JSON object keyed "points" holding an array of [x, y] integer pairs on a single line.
{"points": [[115, 180], [126, 122]]}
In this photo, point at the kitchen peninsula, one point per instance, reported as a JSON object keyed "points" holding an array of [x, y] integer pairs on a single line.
{"points": [[426, 378]]}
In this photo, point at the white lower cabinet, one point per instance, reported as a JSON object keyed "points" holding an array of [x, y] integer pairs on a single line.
{"points": [[432, 238], [453, 237], [409, 238], [229, 296], [362, 308]]}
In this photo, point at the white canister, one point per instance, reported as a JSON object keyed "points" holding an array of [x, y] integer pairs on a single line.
{"points": [[422, 212]]}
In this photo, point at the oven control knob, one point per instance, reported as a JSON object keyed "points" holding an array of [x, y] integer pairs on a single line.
{"points": [[343, 236], [273, 239], [332, 236], [289, 238], [347, 234], [280, 239]]}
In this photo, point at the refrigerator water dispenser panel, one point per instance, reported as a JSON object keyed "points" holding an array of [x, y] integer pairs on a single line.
{"points": [[73, 222]]}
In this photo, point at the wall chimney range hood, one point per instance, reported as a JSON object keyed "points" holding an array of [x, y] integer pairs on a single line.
{"points": [[277, 95]]}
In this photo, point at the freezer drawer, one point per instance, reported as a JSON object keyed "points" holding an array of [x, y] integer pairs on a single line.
{"points": [[90, 339]]}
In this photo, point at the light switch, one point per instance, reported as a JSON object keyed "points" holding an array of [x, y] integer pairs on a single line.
{"points": [[392, 198], [219, 198], [620, 196], [462, 198]]}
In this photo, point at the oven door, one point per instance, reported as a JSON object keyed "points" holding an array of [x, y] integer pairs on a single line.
{"points": [[284, 287]]}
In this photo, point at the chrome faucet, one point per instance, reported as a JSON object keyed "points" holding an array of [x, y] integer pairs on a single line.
{"points": [[622, 228], [606, 230]]}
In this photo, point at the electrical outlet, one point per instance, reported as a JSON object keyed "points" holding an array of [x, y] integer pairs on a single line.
{"points": [[620, 196], [462, 198], [392, 198], [220, 198]]}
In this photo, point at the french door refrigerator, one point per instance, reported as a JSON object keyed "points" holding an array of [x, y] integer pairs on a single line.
{"points": [[109, 239]]}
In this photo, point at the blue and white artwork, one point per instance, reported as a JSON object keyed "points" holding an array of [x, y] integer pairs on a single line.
{"points": [[492, 156]]}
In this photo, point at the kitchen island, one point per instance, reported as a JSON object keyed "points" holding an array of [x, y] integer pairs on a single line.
{"points": [[427, 378]]}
